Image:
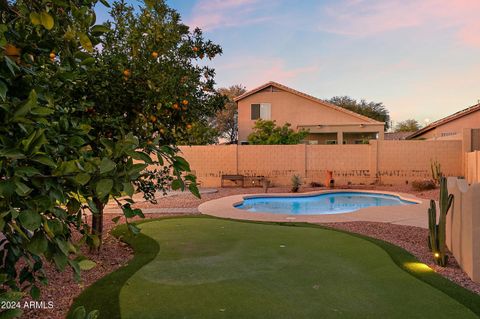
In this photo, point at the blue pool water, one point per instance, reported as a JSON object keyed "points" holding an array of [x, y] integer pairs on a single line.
{"points": [[329, 203]]}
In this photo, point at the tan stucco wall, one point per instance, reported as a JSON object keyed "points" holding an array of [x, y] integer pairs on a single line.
{"points": [[287, 107], [463, 226], [393, 162], [471, 120]]}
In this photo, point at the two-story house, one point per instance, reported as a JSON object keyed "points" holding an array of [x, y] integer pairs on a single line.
{"points": [[326, 123]]}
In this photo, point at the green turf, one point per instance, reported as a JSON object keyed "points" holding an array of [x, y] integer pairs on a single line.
{"points": [[212, 268]]}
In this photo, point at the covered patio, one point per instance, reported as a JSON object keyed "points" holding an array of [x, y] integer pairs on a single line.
{"points": [[343, 133]]}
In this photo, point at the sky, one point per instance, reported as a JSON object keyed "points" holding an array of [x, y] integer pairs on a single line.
{"points": [[421, 58]]}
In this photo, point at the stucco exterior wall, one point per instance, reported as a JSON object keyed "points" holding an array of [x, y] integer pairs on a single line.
{"points": [[471, 120], [463, 226], [411, 160], [289, 108], [392, 162]]}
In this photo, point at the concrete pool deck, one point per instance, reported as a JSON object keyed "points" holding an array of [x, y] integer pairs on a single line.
{"points": [[409, 215]]}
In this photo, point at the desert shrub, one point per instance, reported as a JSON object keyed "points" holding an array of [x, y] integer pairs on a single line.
{"points": [[423, 185], [296, 182]]}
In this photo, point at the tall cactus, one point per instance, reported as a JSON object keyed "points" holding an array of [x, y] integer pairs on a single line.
{"points": [[436, 238]]}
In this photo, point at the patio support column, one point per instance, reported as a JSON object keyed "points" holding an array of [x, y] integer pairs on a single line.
{"points": [[381, 135], [340, 138]]}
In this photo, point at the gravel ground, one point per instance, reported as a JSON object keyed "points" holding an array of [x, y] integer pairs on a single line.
{"points": [[114, 254]]}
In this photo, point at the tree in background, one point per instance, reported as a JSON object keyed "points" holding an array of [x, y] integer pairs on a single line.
{"points": [[409, 125], [227, 119], [373, 110], [266, 133], [199, 133]]}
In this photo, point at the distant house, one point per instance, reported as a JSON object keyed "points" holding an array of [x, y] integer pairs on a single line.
{"points": [[450, 127], [327, 123]]}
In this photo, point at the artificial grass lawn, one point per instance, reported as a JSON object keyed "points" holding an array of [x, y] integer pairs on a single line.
{"points": [[213, 268]]}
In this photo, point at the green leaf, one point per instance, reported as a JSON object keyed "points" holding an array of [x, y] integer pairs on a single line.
{"points": [[99, 29], [79, 313], [21, 189], [105, 3], [30, 219], [27, 171], [27, 106], [106, 165], [194, 190], [85, 42], [177, 184], [45, 160], [7, 188], [103, 188], [35, 18], [35, 292], [128, 189], [38, 244], [86, 264], [142, 156], [47, 20], [63, 246], [116, 219], [42, 111], [60, 261], [82, 178], [3, 90], [88, 61]]}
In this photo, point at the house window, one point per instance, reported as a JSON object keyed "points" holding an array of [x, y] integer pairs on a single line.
{"points": [[330, 142], [261, 111]]}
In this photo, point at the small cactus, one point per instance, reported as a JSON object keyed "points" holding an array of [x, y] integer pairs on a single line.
{"points": [[436, 169], [436, 237]]}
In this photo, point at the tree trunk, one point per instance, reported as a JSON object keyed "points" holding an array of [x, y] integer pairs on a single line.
{"points": [[97, 220]]}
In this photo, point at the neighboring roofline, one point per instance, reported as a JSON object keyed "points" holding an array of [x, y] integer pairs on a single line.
{"points": [[307, 96], [445, 120]]}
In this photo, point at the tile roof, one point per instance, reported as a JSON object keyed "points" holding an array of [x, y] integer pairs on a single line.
{"points": [[447, 119], [307, 96]]}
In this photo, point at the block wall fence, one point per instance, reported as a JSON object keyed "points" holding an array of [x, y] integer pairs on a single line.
{"points": [[389, 162]]}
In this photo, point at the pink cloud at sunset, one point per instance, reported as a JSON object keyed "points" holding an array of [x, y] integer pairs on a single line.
{"points": [[366, 18]]}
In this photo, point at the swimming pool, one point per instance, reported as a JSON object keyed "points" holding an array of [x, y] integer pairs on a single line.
{"points": [[327, 203]]}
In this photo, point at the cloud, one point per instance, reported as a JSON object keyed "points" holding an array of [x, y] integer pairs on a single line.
{"points": [[371, 17], [213, 14], [253, 71]]}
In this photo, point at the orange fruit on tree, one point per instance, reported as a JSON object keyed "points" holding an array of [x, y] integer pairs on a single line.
{"points": [[52, 55], [11, 50], [154, 54], [176, 107], [185, 102], [195, 49], [189, 126], [153, 118], [127, 73]]}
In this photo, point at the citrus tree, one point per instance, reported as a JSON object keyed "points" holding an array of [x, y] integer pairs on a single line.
{"points": [[41, 48], [147, 87]]}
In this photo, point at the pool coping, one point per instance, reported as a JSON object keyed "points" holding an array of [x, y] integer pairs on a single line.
{"points": [[409, 215]]}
